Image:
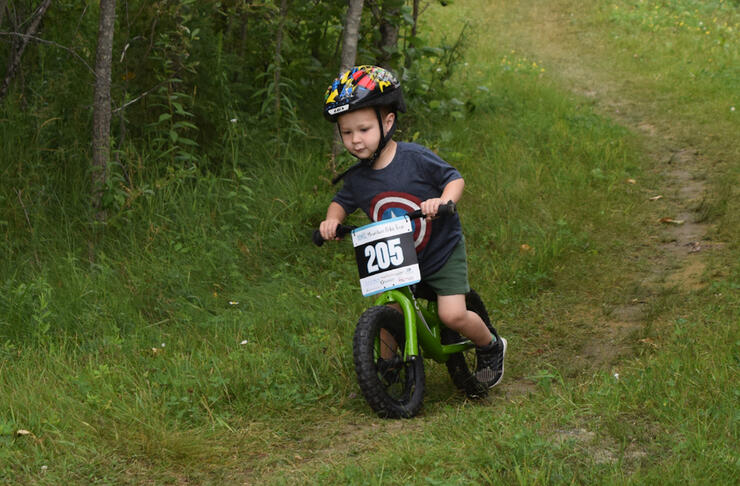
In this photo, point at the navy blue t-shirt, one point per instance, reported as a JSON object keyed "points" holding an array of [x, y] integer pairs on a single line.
{"points": [[414, 175]]}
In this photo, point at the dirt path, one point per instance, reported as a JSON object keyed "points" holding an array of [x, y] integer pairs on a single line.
{"points": [[677, 235]]}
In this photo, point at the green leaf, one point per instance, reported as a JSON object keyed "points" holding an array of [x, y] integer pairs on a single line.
{"points": [[184, 124], [187, 141]]}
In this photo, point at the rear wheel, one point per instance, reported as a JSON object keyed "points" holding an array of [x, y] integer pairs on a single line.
{"points": [[392, 387], [462, 366]]}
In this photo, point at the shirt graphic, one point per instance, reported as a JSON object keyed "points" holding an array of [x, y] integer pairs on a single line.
{"points": [[391, 204], [415, 175]]}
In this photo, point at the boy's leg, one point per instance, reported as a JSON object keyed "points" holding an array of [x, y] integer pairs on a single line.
{"points": [[490, 351], [455, 315]]}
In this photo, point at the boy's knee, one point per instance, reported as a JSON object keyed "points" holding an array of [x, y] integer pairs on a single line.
{"points": [[453, 318]]}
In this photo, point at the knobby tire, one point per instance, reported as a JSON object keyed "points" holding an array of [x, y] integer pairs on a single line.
{"points": [[391, 386]]}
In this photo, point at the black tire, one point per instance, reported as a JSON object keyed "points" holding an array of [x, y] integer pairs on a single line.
{"points": [[462, 366], [393, 388]]}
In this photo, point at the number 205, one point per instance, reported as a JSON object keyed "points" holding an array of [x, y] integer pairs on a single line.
{"points": [[384, 253]]}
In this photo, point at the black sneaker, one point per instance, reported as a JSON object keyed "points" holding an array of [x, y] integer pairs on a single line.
{"points": [[490, 367]]}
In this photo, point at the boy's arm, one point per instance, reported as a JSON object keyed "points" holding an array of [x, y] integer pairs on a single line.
{"points": [[335, 214], [452, 192]]}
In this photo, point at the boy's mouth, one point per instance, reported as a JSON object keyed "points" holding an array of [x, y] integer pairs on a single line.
{"points": [[358, 151]]}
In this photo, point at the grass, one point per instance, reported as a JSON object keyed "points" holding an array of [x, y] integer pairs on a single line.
{"points": [[210, 343]]}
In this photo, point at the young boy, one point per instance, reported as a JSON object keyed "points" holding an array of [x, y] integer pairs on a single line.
{"points": [[393, 178]]}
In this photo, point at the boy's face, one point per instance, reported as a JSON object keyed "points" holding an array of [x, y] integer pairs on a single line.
{"points": [[360, 131]]}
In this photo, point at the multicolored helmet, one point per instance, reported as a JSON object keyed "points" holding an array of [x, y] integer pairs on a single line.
{"points": [[361, 87]]}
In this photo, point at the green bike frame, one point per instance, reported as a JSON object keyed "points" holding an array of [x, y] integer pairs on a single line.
{"points": [[422, 324]]}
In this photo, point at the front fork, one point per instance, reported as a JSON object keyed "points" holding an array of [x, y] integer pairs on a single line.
{"points": [[405, 299], [421, 326]]}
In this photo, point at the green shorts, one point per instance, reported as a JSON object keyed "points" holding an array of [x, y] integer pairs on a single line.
{"points": [[452, 278]]}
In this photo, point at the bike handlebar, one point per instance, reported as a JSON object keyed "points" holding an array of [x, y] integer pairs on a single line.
{"points": [[447, 209]]}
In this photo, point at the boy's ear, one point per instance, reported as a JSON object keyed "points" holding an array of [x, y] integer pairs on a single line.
{"points": [[389, 118]]}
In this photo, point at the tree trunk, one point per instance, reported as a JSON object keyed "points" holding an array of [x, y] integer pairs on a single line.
{"points": [[3, 5], [102, 105], [386, 13], [391, 11], [415, 17], [351, 34], [15, 57], [278, 64], [415, 21], [350, 39], [243, 40]]}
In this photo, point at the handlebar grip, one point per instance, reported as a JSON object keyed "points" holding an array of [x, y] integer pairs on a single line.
{"points": [[316, 238], [342, 231], [447, 209]]}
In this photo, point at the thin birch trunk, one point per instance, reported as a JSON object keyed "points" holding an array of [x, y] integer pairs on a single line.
{"points": [[3, 5], [278, 65], [102, 105]]}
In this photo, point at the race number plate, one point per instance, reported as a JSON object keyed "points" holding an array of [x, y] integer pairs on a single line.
{"points": [[386, 258]]}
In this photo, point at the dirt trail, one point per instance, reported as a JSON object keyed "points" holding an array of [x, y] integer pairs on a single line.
{"points": [[677, 239]]}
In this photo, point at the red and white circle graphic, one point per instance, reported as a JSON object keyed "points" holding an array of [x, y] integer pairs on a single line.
{"points": [[388, 205]]}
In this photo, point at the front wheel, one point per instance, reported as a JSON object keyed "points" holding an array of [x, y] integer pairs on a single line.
{"points": [[393, 387], [462, 366]]}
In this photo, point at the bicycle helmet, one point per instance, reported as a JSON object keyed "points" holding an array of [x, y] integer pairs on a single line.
{"points": [[364, 87]]}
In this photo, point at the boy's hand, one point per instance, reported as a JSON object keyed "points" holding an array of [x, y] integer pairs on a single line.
{"points": [[328, 229], [430, 207]]}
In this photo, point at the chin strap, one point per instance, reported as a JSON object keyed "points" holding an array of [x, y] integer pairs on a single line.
{"points": [[384, 139]]}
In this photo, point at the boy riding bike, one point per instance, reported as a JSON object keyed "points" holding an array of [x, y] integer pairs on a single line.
{"points": [[393, 178]]}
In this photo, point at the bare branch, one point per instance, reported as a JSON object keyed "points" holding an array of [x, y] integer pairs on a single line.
{"points": [[145, 93], [51, 43], [15, 58], [375, 10]]}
